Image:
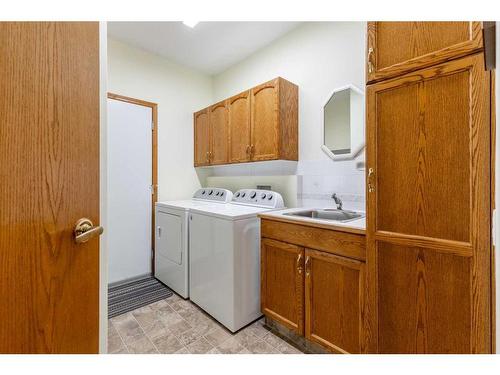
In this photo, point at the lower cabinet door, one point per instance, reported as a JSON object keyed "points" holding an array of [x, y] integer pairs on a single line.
{"points": [[282, 283], [333, 301]]}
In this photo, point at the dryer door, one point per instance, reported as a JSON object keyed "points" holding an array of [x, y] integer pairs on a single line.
{"points": [[169, 234]]}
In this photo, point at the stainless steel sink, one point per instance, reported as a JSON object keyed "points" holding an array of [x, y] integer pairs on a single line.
{"points": [[342, 216]]}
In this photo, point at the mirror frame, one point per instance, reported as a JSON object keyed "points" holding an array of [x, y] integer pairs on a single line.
{"points": [[356, 148]]}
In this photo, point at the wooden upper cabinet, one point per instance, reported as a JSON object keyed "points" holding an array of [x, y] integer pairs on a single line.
{"points": [[265, 119], [274, 131], [219, 133], [395, 48], [282, 283], [258, 124], [239, 125], [202, 138], [334, 300], [428, 222]]}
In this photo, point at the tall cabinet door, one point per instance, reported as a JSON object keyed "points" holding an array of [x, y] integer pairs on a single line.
{"points": [[428, 229], [239, 127], [334, 301], [219, 133], [282, 283], [265, 136], [201, 138], [395, 48]]}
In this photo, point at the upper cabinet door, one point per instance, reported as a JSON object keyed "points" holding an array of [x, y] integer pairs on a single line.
{"points": [[239, 127], [201, 138], [219, 134], [265, 132], [428, 205], [395, 48]]}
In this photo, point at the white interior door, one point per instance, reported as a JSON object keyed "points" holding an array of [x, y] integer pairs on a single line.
{"points": [[129, 194]]}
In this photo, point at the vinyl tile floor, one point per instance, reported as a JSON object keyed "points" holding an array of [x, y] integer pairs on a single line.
{"points": [[177, 326]]}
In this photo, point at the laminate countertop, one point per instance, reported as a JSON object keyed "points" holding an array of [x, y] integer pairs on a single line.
{"points": [[357, 226]]}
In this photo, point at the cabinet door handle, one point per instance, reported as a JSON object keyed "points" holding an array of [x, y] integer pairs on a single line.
{"points": [[369, 60], [159, 232], [308, 265], [248, 149], [299, 264], [208, 157], [371, 184]]}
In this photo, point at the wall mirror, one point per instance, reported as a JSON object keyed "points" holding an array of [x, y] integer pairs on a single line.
{"points": [[344, 123]]}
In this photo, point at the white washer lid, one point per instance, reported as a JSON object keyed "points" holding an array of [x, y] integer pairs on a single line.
{"points": [[186, 204], [230, 211]]}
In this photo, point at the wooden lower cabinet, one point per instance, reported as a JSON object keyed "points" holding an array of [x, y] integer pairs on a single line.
{"points": [[333, 301], [282, 283], [314, 293]]}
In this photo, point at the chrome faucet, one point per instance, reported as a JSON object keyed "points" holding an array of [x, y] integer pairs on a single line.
{"points": [[337, 200]]}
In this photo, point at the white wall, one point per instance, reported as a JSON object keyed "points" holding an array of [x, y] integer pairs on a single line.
{"points": [[179, 92], [318, 57]]}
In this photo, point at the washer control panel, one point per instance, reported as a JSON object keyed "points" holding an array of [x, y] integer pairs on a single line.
{"points": [[258, 198], [213, 195]]}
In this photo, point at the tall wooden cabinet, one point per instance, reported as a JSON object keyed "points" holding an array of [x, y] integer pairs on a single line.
{"points": [[428, 192], [256, 125]]}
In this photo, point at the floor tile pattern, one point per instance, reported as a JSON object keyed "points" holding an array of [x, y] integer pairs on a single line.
{"points": [[174, 325]]}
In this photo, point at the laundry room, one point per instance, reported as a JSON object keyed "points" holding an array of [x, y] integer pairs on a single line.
{"points": [[213, 158], [248, 187]]}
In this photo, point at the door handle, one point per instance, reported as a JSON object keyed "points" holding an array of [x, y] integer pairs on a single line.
{"points": [[159, 232], [369, 60], [308, 265], [85, 230], [371, 185], [299, 263]]}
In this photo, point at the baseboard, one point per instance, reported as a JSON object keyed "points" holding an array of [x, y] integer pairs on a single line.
{"points": [[125, 281]]}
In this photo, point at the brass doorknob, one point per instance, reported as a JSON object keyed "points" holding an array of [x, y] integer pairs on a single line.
{"points": [[85, 230]]}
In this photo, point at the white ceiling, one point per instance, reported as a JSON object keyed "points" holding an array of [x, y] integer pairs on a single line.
{"points": [[210, 47]]}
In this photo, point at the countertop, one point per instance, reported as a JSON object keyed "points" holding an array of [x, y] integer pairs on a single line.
{"points": [[355, 226]]}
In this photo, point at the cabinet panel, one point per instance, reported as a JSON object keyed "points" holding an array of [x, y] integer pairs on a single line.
{"points": [[428, 205], [239, 125], [201, 138], [265, 121], [334, 300], [219, 134], [425, 303], [282, 283], [395, 48]]}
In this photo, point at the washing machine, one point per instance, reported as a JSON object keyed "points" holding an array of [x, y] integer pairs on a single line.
{"points": [[224, 263], [172, 236]]}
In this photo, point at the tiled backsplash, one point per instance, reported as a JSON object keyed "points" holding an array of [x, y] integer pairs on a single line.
{"points": [[320, 179]]}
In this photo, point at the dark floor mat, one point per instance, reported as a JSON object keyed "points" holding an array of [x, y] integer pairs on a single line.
{"points": [[134, 294]]}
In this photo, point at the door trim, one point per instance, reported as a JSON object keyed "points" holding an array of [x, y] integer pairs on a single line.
{"points": [[154, 159]]}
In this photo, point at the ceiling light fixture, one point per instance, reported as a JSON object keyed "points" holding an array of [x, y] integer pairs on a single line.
{"points": [[190, 24]]}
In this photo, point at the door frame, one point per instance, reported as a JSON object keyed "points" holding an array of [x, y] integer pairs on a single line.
{"points": [[154, 159]]}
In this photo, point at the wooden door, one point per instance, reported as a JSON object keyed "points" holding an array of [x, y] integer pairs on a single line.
{"points": [[265, 129], [219, 134], [428, 188], [282, 283], [395, 48], [239, 127], [49, 147], [201, 138], [334, 299]]}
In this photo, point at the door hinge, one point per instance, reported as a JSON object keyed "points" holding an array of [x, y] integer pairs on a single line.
{"points": [[153, 188], [152, 125]]}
